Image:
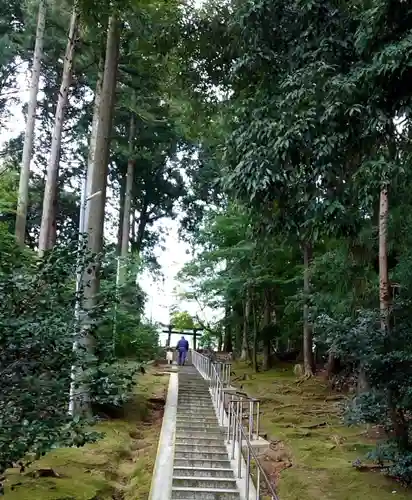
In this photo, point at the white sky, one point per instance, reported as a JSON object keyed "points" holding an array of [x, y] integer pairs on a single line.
{"points": [[176, 253]]}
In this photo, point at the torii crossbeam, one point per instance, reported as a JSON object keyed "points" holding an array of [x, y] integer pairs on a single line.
{"points": [[171, 330]]}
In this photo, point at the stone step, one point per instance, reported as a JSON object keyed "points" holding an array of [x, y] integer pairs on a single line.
{"points": [[200, 386], [190, 390], [190, 380], [199, 463], [201, 455], [192, 413], [195, 399], [184, 493], [200, 427], [196, 384], [199, 441], [200, 433], [210, 483], [192, 394], [199, 419], [196, 404], [193, 391], [196, 424], [202, 472], [204, 448], [200, 410], [192, 401]]}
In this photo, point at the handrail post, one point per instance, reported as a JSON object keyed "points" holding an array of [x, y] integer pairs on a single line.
{"points": [[239, 441]]}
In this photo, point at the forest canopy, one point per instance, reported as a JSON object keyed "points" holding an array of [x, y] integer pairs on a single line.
{"points": [[277, 133]]}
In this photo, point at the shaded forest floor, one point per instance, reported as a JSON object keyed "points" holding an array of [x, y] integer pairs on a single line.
{"points": [[117, 467], [312, 451]]}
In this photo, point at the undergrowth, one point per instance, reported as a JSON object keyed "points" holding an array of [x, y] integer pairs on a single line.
{"points": [[117, 467], [312, 453]]}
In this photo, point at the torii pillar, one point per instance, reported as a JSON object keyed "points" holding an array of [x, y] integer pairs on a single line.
{"points": [[194, 338]]}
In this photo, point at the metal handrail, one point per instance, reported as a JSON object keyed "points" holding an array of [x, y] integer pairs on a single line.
{"points": [[229, 404]]}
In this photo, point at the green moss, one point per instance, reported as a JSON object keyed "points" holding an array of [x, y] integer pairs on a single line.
{"points": [[304, 416], [118, 466]]}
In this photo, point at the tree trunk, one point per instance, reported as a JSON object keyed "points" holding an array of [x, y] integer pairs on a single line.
{"points": [[255, 340], [127, 203], [227, 341], [219, 341], [48, 221], [141, 227], [133, 232], [332, 365], [267, 319], [307, 327], [92, 141], [245, 354], [96, 204], [23, 196], [384, 292], [121, 214]]}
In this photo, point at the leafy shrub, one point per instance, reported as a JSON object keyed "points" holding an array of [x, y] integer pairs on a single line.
{"points": [[112, 384], [139, 341], [37, 327], [385, 357], [36, 334]]}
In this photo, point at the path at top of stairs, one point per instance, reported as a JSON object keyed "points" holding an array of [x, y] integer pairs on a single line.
{"points": [[201, 467]]}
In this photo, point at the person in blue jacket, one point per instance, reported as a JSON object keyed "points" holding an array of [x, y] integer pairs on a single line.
{"points": [[182, 348]]}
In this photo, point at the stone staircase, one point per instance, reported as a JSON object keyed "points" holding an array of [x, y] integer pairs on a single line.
{"points": [[201, 468]]}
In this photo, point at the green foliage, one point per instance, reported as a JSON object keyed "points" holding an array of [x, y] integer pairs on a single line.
{"points": [[36, 337], [137, 339], [182, 320], [111, 384], [316, 110]]}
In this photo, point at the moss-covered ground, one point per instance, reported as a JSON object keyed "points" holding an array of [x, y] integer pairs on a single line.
{"points": [[117, 467], [312, 451]]}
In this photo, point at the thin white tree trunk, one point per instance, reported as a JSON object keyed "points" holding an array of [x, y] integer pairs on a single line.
{"points": [[23, 197], [96, 205], [85, 195], [92, 142], [48, 220], [127, 205]]}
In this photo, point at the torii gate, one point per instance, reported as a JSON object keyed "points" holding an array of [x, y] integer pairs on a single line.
{"points": [[169, 329]]}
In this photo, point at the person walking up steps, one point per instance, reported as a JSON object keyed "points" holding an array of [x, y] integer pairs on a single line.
{"points": [[182, 348]]}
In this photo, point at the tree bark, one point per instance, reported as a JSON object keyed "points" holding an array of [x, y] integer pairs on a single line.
{"points": [[227, 340], [127, 203], [267, 319], [96, 204], [255, 339], [92, 141], [245, 354], [219, 341], [121, 214], [133, 232], [384, 291], [48, 221], [23, 196], [307, 327], [141, 227]]}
